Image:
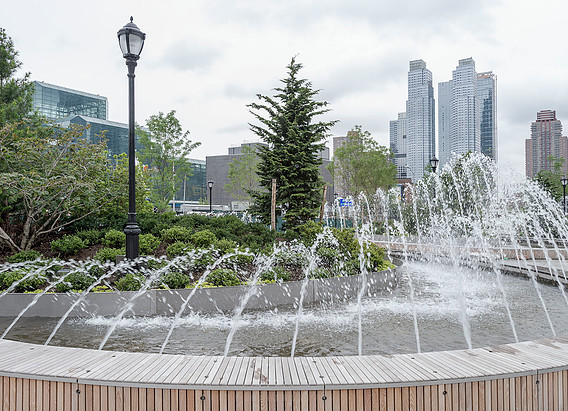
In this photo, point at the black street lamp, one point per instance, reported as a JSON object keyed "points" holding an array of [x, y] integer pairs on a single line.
{"points": [[210, 184], [564, 182], [131, 41], [434, 163]]}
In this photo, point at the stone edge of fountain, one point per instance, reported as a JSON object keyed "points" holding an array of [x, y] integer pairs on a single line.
{"points": [[168, 302]]}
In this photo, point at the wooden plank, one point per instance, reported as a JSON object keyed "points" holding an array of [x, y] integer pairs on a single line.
{"points": [[405, 397], [210, 368], [383, 400], [460, 396], [234, 372], [96, 397], [297, 400], [223, 400], [218, 376], [248, 376], [247, 401], [305, 365], [243, 369], [264, 400], [255, 400], [25, 394], [367, 399]]}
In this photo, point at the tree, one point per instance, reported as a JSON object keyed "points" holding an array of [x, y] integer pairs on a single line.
{"points": [[50, 177], [119, 180], [550, 179], [243, 177], [287, 125], [164, 148], [15, 94], [362, 165]]}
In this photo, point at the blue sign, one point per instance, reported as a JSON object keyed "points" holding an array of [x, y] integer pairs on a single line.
{"points": [[345, 203]]}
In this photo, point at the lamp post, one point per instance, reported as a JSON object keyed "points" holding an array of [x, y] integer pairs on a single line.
{"points": [[564, 182], [334, 205], [434, 163], [210, 185], [131, 41]]}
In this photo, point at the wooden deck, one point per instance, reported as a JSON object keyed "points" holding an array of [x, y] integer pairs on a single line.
{"points": [[528, 375]]}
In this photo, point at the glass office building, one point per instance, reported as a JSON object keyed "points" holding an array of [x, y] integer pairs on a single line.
{"points": [[115, 133], [57, 103]]}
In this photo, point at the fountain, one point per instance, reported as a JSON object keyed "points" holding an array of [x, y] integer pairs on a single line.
{"points": [[448, 324]]}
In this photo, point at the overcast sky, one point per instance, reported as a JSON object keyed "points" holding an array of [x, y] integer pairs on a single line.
{"points": [[208, 59]]}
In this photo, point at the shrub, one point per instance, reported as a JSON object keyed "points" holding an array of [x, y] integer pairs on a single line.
{"points": [[348, 244], [175, 234], [241, 260], [129, 282], [376, 257], [68, 244], [275, 274], [327, 256], [23, 256], [223, 277], [154, 223], [31, 283], [177, 248], [309, 231], [109, 254], [75, 281], [148, 243], [225, 246], [320, 273], [201, 262], [90, 237], [114, 239], [175, 280], [203, 239]]}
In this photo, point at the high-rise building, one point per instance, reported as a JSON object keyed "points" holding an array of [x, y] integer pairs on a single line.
{"points": [[57, 103], [546, 144], [444, 142], [467, 113], [420, 120], [464, 109], [398, 145], [487, 95]]}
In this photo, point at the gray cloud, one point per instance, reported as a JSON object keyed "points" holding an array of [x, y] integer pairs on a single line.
{"points": [[183, 56]]}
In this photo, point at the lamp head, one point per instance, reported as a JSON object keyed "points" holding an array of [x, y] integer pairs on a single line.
{"points": [[131, 41]]}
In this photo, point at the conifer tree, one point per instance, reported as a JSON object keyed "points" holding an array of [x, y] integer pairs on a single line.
{"points": [[292, 157], [15, 94]]}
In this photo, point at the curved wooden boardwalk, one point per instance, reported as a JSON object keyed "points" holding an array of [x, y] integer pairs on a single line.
{"points": [[528, 376]]}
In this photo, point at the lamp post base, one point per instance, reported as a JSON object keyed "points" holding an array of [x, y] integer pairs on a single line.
{"points": [[132, 232]]}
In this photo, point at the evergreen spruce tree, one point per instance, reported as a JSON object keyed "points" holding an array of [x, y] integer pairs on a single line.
{"points": [[15, 94], [292, 157]]}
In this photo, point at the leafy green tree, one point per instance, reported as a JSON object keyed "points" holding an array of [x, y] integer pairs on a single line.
{"points": [[243, 177], [295, 139], [15, 94], [119, 180], [164, 148], [550, 179], [362, 165], [50, 177]]}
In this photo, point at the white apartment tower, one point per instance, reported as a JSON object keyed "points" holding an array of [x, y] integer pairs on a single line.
{"points": [[467, 118], [398, 144], [420, 120]]}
